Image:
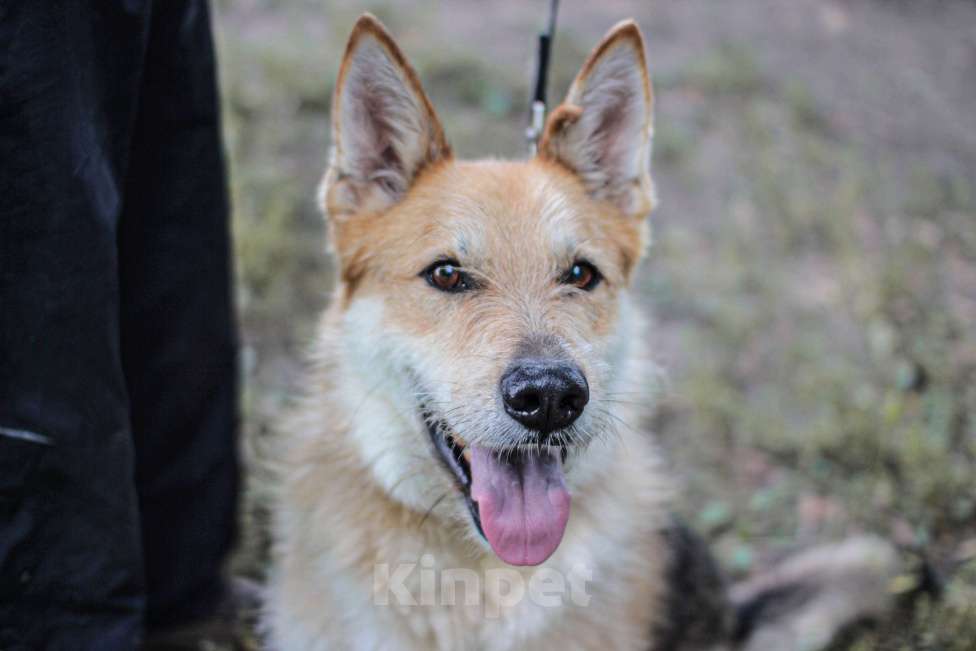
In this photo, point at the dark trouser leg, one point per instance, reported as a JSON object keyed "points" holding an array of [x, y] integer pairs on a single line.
{"points": [[179, 344], [71, 86], [70, 563]]}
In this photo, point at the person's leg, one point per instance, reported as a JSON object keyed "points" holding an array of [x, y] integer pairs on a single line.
{"points": [[178, 335], [71, 574]]}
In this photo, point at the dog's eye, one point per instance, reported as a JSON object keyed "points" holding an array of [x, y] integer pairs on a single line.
{"points": [[447, 276], [582, 275]]}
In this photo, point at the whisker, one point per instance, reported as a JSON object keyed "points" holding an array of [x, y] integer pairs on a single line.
{"points": [[432, 507]]}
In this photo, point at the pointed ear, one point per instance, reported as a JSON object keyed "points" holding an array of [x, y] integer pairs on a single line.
{"points": [[384, 129], [602, 131]]}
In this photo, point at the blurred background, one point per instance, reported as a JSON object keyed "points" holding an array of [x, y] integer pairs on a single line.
{"points": [[812, 279]]}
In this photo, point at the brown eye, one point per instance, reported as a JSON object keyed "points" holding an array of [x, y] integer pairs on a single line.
{"points": [[447, 277], [582, 275]]}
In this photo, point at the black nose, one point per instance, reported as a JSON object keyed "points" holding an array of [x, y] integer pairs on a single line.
{"points": [[544, 395]]}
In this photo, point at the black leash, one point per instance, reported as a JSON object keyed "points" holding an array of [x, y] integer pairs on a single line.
{"points": [[537, 111]]}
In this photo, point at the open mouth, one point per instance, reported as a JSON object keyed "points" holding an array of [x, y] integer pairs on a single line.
{"points": [[517, 497], [455, 455]]}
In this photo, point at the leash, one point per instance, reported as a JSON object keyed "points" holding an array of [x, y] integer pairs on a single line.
{"points": [[537, 110]]}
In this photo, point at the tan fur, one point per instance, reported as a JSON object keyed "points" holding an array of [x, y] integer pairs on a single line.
{"points": [[332, 511], [521, 224], [360, 483]]}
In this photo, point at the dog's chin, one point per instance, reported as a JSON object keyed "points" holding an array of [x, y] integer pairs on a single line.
{"points": [[516, 496]]}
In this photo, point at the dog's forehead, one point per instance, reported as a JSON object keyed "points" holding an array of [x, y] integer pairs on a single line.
{"points": [[484, 207]]}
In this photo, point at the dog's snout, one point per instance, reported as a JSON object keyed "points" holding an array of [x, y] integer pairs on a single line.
{"points": [[544, 395]]}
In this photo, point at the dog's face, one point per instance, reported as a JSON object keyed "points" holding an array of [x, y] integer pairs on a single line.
{"points": [[481, 301]]}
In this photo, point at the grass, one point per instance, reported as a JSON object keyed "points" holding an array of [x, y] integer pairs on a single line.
{"points": [[814, 303]]}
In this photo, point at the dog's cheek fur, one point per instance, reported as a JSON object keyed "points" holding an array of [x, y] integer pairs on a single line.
{"points": [[386, 426]]}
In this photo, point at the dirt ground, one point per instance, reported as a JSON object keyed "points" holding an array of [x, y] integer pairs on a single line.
{"points": [[813, 276]]}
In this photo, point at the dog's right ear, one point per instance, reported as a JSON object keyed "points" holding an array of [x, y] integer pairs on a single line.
{"points": [[384, 129]]}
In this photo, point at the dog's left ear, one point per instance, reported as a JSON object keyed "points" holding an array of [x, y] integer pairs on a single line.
{"points": [[602, 131], [384, 129]]}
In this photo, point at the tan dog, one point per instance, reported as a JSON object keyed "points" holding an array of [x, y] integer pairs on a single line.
{"points": [[468, 469]]}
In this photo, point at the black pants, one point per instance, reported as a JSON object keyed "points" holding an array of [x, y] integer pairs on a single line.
{"points": [[118, 469]]}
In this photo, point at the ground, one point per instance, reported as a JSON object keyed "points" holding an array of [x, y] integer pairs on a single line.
{"points": [[812, 279]]}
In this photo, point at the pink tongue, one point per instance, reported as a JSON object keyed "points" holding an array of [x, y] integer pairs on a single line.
{"points": [[522, 502]]}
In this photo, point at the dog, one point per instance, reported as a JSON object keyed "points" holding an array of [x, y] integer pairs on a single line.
{"points": [[467, 468]]}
